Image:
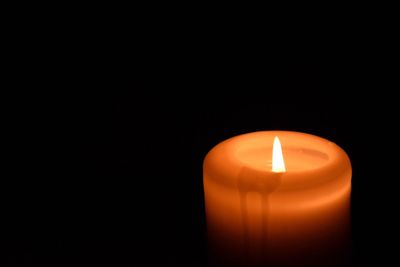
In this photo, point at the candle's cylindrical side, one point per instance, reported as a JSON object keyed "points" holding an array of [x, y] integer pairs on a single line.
{"points": [[256, 216]]}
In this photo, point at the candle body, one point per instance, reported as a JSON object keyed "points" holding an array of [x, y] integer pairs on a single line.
{"points": [[255, 216]]}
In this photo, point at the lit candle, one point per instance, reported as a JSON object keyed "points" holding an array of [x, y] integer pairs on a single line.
{"points": [[278, 197]]}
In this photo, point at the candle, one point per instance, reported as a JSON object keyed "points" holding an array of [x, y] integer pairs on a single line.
{"points": [[278, 197]]}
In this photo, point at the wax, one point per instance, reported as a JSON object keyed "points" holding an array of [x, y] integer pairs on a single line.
{"points": [[256, 215]]}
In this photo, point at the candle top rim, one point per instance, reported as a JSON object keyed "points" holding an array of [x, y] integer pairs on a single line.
{"points": [[292, 143], [236, 155]]}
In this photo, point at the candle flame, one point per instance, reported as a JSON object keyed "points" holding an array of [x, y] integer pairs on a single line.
{"points": [[278, 164]]}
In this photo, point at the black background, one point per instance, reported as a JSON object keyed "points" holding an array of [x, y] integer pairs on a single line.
{"points": [[121, 182]]}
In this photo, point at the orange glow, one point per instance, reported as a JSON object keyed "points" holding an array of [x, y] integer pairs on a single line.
{"points": [[265, 205], [278, 164]]}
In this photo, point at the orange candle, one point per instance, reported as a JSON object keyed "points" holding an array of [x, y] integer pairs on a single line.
{"points": [[278, 197]]}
